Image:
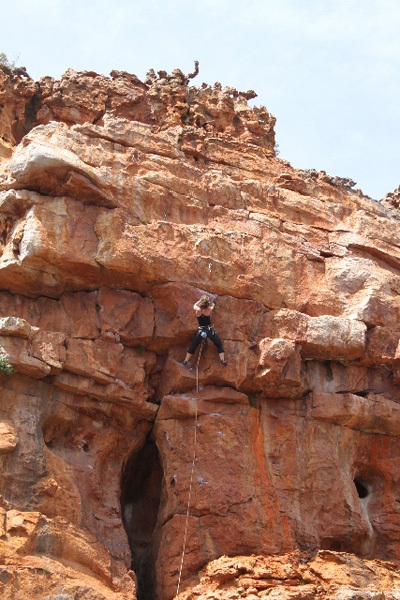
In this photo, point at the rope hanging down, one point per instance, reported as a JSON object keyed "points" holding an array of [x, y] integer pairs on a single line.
{"points": [[191, 474]]}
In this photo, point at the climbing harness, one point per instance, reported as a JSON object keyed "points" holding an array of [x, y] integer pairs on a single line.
{"points": [[191, 474], [204, 329]]}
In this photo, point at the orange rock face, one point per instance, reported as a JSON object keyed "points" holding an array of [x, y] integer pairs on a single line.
{"points": [[326, 576], [127, 474]]}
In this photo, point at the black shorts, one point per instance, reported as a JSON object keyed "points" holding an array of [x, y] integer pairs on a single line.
{"points": [[212, 335]]}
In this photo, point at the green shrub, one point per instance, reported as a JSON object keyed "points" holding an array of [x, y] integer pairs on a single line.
{"points": [[5, 366], [252, 400]]}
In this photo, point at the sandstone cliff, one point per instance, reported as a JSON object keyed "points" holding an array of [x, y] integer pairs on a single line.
{"points": [[121, 202]]}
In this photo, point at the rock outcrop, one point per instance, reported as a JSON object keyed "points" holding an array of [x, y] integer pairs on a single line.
{"points": [[121, 202]]}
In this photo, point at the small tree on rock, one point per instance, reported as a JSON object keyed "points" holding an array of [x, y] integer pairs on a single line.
{"points": [[4, 60]]}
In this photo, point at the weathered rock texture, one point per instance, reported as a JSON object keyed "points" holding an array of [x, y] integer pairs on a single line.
{"points": [[122, 202]]}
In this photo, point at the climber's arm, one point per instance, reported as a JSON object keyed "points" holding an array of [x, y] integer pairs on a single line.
{"points": [[197, 308]]}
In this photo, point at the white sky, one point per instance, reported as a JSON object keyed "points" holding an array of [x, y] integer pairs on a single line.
{"points": [[329, 70]]}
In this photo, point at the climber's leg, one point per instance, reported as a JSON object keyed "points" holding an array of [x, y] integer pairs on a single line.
{"points": [[192, 348], [220, 347]]}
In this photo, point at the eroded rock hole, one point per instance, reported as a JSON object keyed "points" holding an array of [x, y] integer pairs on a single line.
{"points": [[361, 488], [140, 501]]}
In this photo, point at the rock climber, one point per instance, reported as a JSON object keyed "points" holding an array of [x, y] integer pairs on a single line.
{"points": [[203, 309]]}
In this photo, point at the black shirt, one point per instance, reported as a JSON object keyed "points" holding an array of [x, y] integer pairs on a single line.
{"points": [[204, 321]]}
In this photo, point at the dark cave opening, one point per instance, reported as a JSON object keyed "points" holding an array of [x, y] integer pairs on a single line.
{"points": [[361, 488], [140, 501]]}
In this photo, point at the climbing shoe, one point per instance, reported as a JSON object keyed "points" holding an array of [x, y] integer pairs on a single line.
{"points": [[185, 362], [223, 362]]}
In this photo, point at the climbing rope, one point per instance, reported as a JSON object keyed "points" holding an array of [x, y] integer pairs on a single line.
{"points": [[191, 474], [203, 341]]}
